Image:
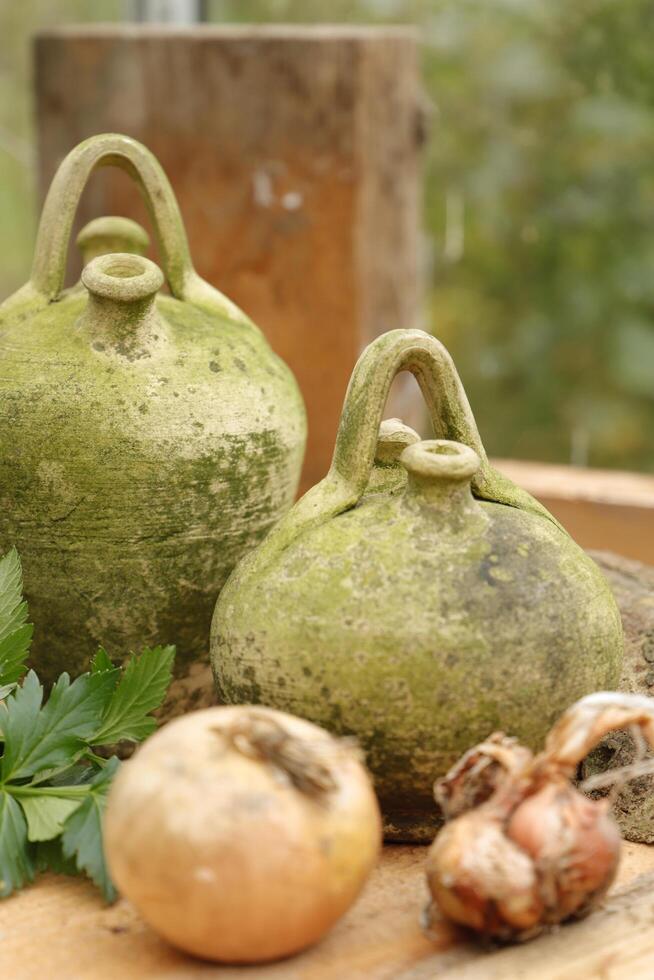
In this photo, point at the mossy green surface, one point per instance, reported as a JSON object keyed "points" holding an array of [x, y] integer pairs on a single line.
{"points": [[419, 638], [420, 618], [133, 477]]}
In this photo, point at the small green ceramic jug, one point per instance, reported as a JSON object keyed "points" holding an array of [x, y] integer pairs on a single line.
{"points": [[147, 440], [419, 613]]}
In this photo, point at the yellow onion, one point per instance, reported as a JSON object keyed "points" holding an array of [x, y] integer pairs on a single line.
{"points": [[242, 834], [522, 848]]}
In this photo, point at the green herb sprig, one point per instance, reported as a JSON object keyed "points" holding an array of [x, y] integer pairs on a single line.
{"points": [[53, 784]]}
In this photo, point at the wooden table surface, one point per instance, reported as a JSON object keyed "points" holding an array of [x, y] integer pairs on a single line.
{"points": [[59, 929]]}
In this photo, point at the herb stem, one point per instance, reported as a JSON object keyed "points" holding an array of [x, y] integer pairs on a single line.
{"points": [[63, 792]]}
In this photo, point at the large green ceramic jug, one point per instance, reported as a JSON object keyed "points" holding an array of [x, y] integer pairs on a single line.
{"points": [[419, 614], [147, 439]]}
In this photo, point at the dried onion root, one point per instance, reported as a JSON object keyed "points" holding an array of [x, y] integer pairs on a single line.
{"points": [[522, 848]]}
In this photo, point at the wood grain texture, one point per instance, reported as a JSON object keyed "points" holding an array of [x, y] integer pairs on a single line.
{"points": [[294, 153], [60, 929]]}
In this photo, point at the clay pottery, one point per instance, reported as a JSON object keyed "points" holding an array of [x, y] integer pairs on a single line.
{"points": [[415, 598], [148, 439]]}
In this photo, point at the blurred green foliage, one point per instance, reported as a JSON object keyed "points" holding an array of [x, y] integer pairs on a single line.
{"points": [[539, 203], [543, 147], [18, 20]]}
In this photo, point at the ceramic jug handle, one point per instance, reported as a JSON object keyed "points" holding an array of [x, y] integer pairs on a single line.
{"points": [[354, 453], [449, 409], [111, 149]]}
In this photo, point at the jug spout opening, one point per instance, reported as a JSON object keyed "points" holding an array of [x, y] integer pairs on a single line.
{"points": [[122, 288], [394, 436], [441, 459], [440, 471], [122, 277], [111, 234]]}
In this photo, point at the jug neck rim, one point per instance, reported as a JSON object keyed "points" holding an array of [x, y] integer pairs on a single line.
{"points": [[122, 277], [440, 472]]}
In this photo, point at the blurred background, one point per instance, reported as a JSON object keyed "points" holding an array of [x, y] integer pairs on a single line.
{"points": [[538, 205]]}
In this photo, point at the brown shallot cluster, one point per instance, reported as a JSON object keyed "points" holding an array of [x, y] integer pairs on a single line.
{"points": [[522, 848]]}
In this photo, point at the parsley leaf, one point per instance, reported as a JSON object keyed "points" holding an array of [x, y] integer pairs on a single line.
{"points": [[43, 738], [140, 690], [82, 836], [46, 815], [53, 785], [18, 721], [15, 631], [101, 661], [49, 857], [16, 867]]}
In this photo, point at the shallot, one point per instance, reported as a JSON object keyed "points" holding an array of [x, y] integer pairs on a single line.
{"points": [[522, 848], [242, 834]]}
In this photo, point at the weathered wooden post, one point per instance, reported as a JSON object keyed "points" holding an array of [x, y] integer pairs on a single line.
{"points": [[295, 156]]}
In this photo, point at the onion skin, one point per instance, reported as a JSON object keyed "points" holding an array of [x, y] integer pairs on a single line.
{"points": [[523, 849], [574, 843], [480, 879], [508, 871], [223, 855]]}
